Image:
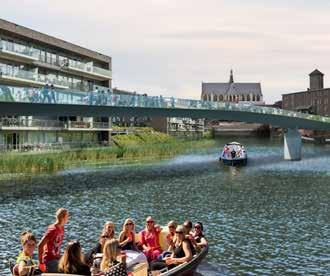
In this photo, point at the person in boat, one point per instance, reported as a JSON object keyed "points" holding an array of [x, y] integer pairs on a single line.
{"points": [[226, 151], [110, 264], [170, 237], [90, 255], [188, 228], [181, 252], [50, 245], [25, 265], [233, 153], [127, 236], [199, 238], [109, 228], [72, 260], [150, 240]]}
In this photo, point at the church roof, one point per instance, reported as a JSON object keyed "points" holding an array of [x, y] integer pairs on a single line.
{"points": [[316, 72], [235, 88]]}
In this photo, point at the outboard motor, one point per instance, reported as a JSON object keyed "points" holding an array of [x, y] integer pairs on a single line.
{"points": [[233, 154]]}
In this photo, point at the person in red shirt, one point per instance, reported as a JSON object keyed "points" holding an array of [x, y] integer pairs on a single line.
{"points": [[150, 240], [49, 248]]}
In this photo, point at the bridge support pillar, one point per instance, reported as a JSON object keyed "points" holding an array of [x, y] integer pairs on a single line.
{"points": [[292, 144]]}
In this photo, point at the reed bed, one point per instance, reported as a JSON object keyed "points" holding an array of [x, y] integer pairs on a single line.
{"points": [[141, 146]]}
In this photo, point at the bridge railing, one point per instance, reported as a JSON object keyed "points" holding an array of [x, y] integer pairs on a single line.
{"points": [[108, 98]]}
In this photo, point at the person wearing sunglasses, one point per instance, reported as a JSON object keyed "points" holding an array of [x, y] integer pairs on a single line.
{"points": [[199, 239], [181, 252], [127, 243], [72, 260], [170, 237], [127, 236], [150, 240], [90, 255]]}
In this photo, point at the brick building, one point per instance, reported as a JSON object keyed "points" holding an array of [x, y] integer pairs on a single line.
{"points": [[315, 100]]}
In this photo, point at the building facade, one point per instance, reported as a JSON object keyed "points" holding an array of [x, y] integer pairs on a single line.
{"points": [[315, 100], [34, 60], [180, 127], [231, 91]]}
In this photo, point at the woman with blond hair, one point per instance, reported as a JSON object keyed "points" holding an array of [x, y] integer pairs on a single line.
{"points": [[110, 265], [72, 260], [127, 236], [109, 229]]}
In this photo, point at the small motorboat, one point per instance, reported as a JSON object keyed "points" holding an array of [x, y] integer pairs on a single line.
{"points": [[233, 154]]}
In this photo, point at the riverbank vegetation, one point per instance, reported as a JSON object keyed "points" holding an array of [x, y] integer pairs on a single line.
{"points": [[142, 145]]}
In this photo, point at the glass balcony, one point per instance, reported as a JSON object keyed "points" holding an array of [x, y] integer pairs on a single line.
{"points": [[18, 123], [17, 51], [103, 72], [20, 76], [88, 69]]}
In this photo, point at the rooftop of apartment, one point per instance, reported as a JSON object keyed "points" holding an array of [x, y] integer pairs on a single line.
{"points": [[41, 38]]}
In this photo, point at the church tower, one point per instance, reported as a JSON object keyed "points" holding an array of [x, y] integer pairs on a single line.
{"points": [[231, 79], [316, 80]]}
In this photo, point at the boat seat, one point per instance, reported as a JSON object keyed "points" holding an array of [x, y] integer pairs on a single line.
{"points": [[140, 269]]}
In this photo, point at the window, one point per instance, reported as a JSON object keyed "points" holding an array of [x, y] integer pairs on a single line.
{"points": [[42, 56], [53, 59], [215, 98], [62, 60], [48, 58]]}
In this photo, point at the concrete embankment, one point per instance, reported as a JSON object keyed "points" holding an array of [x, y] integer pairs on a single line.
{"points": [[240, 129]]}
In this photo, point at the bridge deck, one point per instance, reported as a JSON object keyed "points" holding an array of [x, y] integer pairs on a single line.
{"points": [[15, 101]]}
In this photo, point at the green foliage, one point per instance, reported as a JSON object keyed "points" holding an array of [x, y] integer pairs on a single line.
{"points": [[141, 145]]}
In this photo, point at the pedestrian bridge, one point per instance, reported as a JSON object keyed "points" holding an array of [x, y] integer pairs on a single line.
{"points": [[18, 101]]}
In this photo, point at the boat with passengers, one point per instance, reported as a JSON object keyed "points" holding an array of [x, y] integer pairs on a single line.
{"points": [[233, 154], [141, 269]]}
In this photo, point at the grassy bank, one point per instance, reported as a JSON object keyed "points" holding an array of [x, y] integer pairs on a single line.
{"points": [[139, 146]]}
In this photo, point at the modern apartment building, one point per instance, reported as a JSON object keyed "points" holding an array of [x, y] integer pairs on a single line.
{"points": [[32, 59], [180, 127]]}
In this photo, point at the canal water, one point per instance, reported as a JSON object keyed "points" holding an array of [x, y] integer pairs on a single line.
{"points": [[268, 218]]}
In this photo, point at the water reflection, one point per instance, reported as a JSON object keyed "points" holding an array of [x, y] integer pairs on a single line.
{"points": [[270, 217]]}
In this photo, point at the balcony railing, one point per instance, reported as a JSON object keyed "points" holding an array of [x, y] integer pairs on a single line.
{"points": [[88, 68], [21, 122], [20, 50], [31, 76], [27, 123]]}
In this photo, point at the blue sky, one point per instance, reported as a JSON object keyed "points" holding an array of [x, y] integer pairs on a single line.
{"points": [[169, 47]]}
